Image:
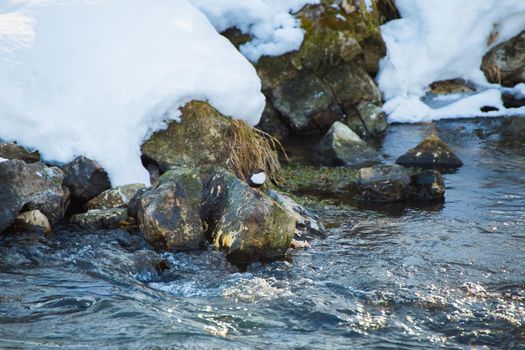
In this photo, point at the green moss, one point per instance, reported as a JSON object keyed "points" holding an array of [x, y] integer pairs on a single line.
{"points": [[324, 182]]}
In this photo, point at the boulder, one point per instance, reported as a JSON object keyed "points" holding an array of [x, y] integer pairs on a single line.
{"points": [[383, 183], [503, 64], [14, 151], [329, 76], [431, 153], [30, 187], [197, 140], [341, 146], [307, 224], [117, 197], [244, 222], [428, 186], [101, 218], [169, 215], [85, 178], [32, 221]]}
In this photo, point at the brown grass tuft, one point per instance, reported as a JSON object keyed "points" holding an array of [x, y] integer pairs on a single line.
{"points": [[251, 149]]}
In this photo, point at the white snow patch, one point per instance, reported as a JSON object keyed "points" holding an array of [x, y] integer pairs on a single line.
{"points": [[439, 40], [270, 22], [94, 78], [3, 160]]}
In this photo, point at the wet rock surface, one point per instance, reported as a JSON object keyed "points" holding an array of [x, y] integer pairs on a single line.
{"points": [[102, 218], [169, 214], [427, 186], [341, 146], [117, 197], [243, 222], [383, 183], [31, 221], [85, 178], [30, 187], [431, 153]]}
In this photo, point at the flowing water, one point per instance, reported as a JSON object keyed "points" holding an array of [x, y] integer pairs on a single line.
{"points": [[445, 277]]}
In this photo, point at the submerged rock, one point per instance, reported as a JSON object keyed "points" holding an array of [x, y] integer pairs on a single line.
{"points": [[85, 178], [14, 151], [503, 64], [514, 130], [428, 186], [431, 153], [32, 221], [383, 183], [30, 187], [169, 215], [117, 197], [101, 218], [341, 146], [245, 223]]}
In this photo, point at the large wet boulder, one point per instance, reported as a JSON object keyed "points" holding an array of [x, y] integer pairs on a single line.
{"points": [[342, 146], [85, 179], [169, 214], [26, 187], [431, 153], [117, 197], [15, 151], [328, 78], [244, 222], [197, 140], [504, 63], [383, 183]]}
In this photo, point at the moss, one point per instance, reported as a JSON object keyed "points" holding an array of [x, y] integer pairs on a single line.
{"points": [[323, 182]]}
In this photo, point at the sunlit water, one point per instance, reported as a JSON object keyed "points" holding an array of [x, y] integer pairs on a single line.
{"points": [[449, 277]]}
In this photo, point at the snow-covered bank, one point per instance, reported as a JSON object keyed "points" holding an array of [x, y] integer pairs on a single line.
{"points": [[274, 30], [439, 40], [95, 78]]}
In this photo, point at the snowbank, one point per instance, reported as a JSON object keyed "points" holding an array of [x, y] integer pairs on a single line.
{"points": [[439, 40], [274, 30], [96, 77]]}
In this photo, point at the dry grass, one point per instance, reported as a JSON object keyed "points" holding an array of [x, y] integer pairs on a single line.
{"points": [[251, 149]]}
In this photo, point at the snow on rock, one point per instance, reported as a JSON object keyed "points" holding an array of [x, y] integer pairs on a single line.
{"points": [[439, 40], [274, 30], [95, 78]]}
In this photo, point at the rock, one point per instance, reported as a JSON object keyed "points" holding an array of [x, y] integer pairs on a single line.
{"points": [[431, 153], [169, 215], [327, 78], [272, 124], [428, 186], [85, 178], [14, 151], [341, 146], [30, 187], [199, 139], [134, 203], [367, 120], [504, 63], [32, 221], [514, 130], [117, 197], [307, 224], [297, 244], [101, 218], [245, 223], [383, 183], [453, 86]]}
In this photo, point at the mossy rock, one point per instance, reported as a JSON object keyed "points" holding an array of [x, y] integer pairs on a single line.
{"points": [[431, 153], [14, 151]]}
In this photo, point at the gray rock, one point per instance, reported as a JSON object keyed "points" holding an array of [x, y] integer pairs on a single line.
{"points": [[101, 218], [428, 186], [431, 153], [85, 179], [383, 183], [169, 215], [117, 197], [30, 187], [32, 221], [504, 62], [341, 146], [245, 223]]}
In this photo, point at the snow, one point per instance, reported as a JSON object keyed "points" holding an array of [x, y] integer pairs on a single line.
{"points": [[95, 78], [3, 160], [439, 40], [274, 30]]}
